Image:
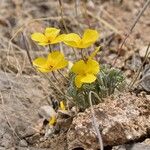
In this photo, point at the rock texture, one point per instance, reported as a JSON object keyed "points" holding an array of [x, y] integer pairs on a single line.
{"points": [[122, 119], [136, 146], [20, 100]]}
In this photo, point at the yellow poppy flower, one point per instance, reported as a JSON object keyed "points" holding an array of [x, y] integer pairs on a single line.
{"points": [[54, 61], [62, 105], [85, 71], [50, 36], [52, 120], [74, 40]]}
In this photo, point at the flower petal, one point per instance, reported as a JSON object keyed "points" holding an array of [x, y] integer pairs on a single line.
{"points": [[51, 33], [59, 38], [44, 44], [57, 60], [93, 54], [39, 37], [62, 64], [40, 63], [78, 67], [52, 120], [92, 67], [89, 37], [78, 82], [72, 39], [89, 78], [62, 105]]}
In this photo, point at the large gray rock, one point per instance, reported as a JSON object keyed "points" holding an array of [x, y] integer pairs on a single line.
{"points": [[20, 99], [122, 119]]}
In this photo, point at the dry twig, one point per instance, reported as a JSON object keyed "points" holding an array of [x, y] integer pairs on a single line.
{"points": [[139, 70], [94, 120], [131, 29]]}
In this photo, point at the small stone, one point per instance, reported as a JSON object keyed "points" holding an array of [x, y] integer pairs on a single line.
{"points": [[136, 146], [146, 141], [143, 50], [33, 139], [136, 62], [90, 4], [29, 132], [23, 143], [49, 131], [46, 112], [146, 82]]}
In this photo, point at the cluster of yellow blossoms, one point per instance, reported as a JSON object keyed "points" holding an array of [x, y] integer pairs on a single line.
{"points": [[85, 70]]}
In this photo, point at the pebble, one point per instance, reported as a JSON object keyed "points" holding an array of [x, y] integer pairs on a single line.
{"points": [[46, 112], [143, 50], [136, 146], [23, 143]]}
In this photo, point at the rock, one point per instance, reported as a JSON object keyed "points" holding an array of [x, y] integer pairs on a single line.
{"points": [[136, 146], [23, 143], [145, 80], [21, 100], [33, 139], [90, 5], [143, 50], [122, 119], [47, 112], [136, 62], [6, 141], [146, 141]]}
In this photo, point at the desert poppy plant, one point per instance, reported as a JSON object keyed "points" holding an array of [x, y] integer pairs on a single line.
{"points": [[85, 71], [74, 40], [50, 36], [54, 61]]}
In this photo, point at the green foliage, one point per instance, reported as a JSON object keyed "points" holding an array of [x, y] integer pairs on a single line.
{"points": [[108, 81]]}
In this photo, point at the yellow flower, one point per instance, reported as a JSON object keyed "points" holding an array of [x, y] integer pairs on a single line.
{"points": [[52, 120], [62, 106], [54, 61], [50, 36], [74, 40], [93, 54], [85, 71]]}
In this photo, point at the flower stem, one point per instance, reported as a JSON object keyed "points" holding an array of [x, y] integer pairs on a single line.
{"points": [[82, 55], [50, 49], [96, 125], [55, 77], [56, 87], [75, 54], [63, 75], [62, 17]]}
